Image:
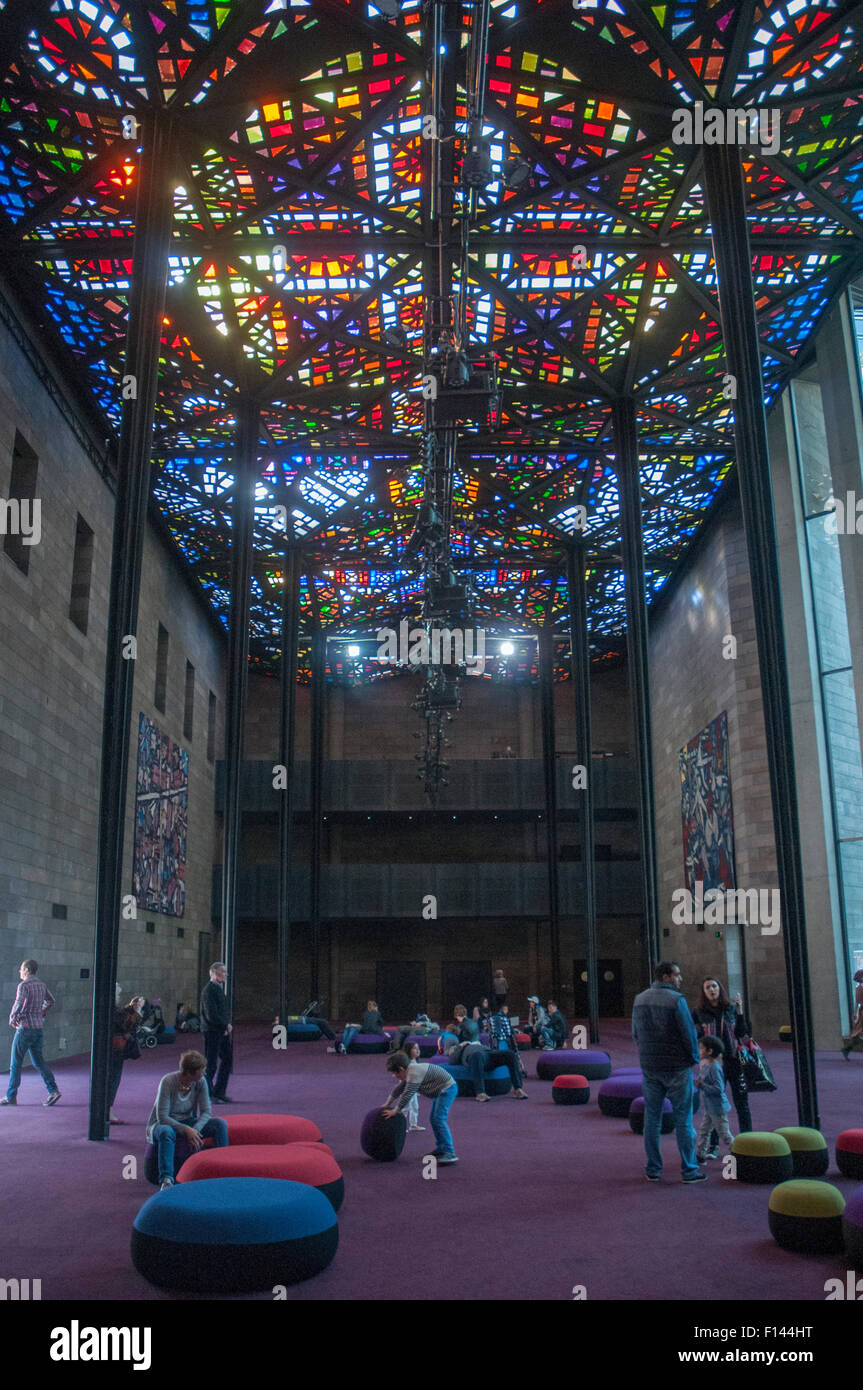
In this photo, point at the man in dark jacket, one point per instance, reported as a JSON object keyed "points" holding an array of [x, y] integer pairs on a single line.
{"points": [[217, 1028], [555, 1032], [667, 1049]]}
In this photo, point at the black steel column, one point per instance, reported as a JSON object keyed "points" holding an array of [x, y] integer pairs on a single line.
{"points": [[626, 450], [290, 639], [242, 544], [549, 768], [579, 645], [141, 367], [723, 184], [319, 695]]}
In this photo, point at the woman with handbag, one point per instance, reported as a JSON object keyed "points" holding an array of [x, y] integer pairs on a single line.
{"points": [[722, 1017], [127, 1020]]}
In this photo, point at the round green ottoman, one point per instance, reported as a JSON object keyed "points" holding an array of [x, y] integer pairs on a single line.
{"points": [[809, 1152], [806, 1216], [762, 1157], [849, 1153]]}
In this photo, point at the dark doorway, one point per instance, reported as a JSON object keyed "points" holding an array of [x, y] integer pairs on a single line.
{"points": [[610, 988], [401, 986], [204, 962], [464, 982]]}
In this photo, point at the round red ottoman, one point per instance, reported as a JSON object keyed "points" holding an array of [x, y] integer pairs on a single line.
{"points": [[522, 1042], [309, 1163], [270, 1129], [849, 1153], [570, 1090]]}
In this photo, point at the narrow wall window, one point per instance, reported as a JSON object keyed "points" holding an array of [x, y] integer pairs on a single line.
{"points": [[211, 728], [82, 569], [161, 669], [21, 512], [189, 706]]}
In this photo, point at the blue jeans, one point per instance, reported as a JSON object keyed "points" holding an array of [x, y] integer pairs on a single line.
{"points": [[165, 1138], [677, 1086], [439, 1111], [28, 1040], [349, 1034]]}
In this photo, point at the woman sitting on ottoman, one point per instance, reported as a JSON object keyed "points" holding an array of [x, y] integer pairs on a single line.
{"points": [[182, 1111]]}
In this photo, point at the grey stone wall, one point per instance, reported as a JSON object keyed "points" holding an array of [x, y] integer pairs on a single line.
{"points": [[51, 692]]}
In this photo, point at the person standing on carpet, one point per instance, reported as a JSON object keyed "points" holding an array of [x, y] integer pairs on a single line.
{"points": [[32, 1002], [424, 1079], [717, 1014], [500, 989], [126, 1019], [711, 1083], [182, 1111], [412, 1111], [667, 1050], [217, 1029]]}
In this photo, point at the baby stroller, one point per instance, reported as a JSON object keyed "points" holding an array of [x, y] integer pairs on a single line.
{"points": [[151, 1025]]}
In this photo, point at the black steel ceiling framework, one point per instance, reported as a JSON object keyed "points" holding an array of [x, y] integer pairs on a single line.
{"points": [[647, 85]]}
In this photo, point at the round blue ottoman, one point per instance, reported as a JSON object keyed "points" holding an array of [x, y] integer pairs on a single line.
{"points": [[302, 1032], [497, 1081], [383, 1138], [369, 1044], [617, 1093], [636, 1116], [168, 1035], [234, 1235], [596, 1065]]}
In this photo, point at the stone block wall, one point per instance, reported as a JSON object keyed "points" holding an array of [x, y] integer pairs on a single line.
{"points": [[51, 694]]}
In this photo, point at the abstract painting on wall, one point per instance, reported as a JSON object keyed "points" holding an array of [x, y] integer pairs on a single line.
{"points": [[161, 807], [708, 818]]}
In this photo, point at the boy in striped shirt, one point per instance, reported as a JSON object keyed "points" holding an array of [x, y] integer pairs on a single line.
{"points": [[424, 1079]]}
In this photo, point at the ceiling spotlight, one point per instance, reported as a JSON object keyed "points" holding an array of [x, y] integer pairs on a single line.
{"points": [[353, 650], [396, 337], [516, 172], [477, 170], [507, 649]]}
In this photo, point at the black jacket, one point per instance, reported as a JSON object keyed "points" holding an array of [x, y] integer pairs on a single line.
{"points": [[214, 1007], [728, 1025], [557, 1024]]}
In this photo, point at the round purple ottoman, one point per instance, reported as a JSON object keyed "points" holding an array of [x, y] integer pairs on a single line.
{"points": [[570, 1090], [383, 1138], [596, 1066], [617, 1093], [627, 1071], [852, 1228], [182, 1151], [368, 1043], [636, 1116]]}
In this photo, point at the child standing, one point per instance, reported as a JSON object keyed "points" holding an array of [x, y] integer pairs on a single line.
{"points": [[425, 1079], [716, 1105], [412, 1110]]}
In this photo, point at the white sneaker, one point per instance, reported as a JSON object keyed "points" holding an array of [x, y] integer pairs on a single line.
{"points": [[417, 1129], [331, 1049]]}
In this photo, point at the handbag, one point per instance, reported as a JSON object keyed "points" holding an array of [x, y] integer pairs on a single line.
{"points": [[131, 1051], [754, 1067]]}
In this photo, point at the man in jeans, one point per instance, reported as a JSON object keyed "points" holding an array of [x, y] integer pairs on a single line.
{"points": [[667, 1049], [32, 1003]]}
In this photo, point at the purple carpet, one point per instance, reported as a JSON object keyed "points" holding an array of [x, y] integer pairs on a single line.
{"points": [[545, 1197]]}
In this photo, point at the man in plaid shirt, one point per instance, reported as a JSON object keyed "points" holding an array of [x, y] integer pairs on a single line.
{"points": [[32, 1002]]}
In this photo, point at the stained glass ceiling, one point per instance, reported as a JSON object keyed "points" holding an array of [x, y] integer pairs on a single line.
{"points": [[299, 266]]}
